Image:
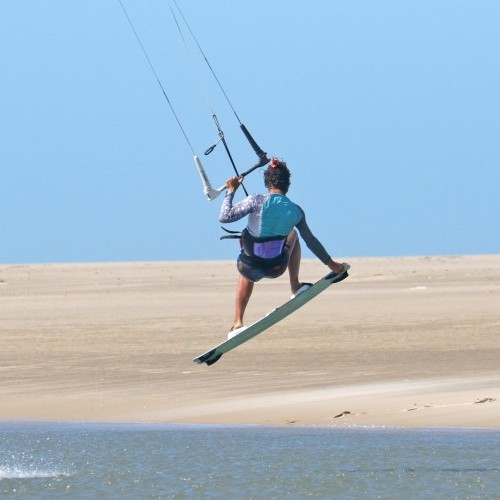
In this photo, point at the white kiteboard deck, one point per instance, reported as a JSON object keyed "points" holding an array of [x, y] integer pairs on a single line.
{"points": [[271, 318]]}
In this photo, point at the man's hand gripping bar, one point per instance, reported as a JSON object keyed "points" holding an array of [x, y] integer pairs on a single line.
{"points": [[207, 186]]}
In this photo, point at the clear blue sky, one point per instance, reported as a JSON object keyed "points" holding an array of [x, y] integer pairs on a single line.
{"points": [[387, 113]]}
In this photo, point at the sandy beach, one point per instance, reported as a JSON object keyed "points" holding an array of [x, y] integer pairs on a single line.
{"points": [[411, 341]]}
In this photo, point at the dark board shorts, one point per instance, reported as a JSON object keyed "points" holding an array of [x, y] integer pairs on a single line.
{"points": [[255, 268]]}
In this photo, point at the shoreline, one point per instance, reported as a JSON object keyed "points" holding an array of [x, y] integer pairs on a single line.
{"points": [[153, 426], [403, 342]]}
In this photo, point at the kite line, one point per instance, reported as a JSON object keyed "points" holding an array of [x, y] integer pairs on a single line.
{"points": [[208, 189]]}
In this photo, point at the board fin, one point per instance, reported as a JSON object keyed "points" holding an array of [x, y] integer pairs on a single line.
{"points": [[214, 359], [210, 357]]}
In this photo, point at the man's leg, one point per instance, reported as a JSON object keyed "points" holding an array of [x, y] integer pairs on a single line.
{"points": [[295, 253], [243, 293]]}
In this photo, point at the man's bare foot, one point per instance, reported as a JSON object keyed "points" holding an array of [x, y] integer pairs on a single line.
{"points": [[301, 288], [234, 331]]}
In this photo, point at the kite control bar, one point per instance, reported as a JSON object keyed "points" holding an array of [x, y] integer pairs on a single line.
{"points": [[207, 186], [254, 145]]}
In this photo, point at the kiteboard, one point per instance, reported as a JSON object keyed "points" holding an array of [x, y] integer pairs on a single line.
{"points": [[271, 318]]}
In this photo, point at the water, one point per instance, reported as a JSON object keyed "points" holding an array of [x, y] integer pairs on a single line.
{"points": [[53, 460]]}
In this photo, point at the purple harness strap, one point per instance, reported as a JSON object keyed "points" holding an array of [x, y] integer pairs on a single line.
{"points": [[268, 249]]}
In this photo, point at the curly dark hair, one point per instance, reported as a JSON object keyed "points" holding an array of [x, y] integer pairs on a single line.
{"points": [[277, 176]]}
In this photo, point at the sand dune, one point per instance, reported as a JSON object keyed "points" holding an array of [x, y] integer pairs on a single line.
{"points": [[411, 341]]}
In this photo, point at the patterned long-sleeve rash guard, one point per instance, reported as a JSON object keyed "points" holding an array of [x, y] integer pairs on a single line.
{"points": [[272, 215]]}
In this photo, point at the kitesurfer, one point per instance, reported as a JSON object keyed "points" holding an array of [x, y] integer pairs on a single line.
{"points": [[270, 243]]}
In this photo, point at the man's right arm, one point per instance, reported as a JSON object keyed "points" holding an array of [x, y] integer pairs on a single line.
{"points": [[316, 247], [232, 213]]}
